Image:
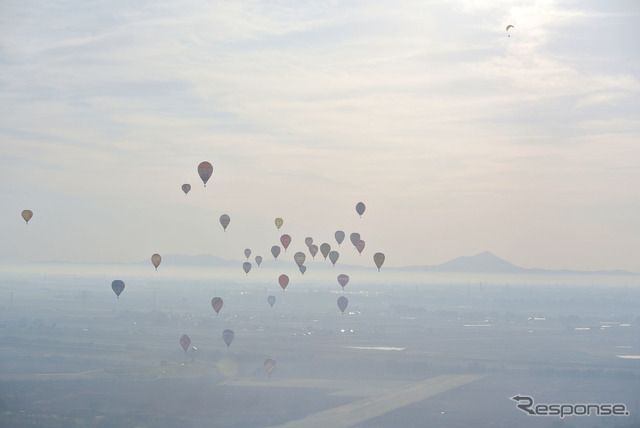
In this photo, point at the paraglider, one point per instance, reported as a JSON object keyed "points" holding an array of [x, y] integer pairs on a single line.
{"points": [[186, 188], [117, 286], [360, 208], [246, 266], [354, 237], [269, 366], [279, 223], [360, 246], [313, 250], [339, 235], [216, 304], [185, 341], [275, 251], [285, 240], [343, 279], [205, 169], [325, 249], [271, 300], [224, 221], [508, 28], [299, 258], [308, 241], [333, 256], [227, 336], [378, 259], [247, 253], [342, 303], [283, 280], [26, 215], [155, 260], [258, 260]]}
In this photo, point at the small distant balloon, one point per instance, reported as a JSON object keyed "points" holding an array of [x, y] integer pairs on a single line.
{"points": [[224, 221], [271, 300], [378, 259], [342, 303], [155, 260], [308, 241], [354, 237], [333, 256], [26, 215], [360, 246], [216, 304], [185, 341], [283, 280], [269, 365], [339, 235], [246, 266], [247, 253], [299, 258], [258, 260], [302, 269], [186, 188], [285, 240], [275, 251], [313, 250], [279, 223], [205, 169], [325, 249], [360, 207], [343, 279], [117, 286], [227, 336]]}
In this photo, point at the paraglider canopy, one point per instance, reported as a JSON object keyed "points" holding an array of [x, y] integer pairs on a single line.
{"points": [[360, 208], [283, 280], [185, 341], [26, 215], [227, 336], [156, 259], [216, 304], [342, 303], [224, 221], [117, 286], [186, 188], [205, 169], [508, 28]]}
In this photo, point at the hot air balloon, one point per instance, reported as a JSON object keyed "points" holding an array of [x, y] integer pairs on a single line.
{"points": [[299, 258], [342, 303], [285, 240], [333, 256], [271, 300], [343, 279], [354, 237], [118, 287], [508, 28], [269, 366], [308, 241], [216, 304], [339, 235], [360, 208], [313, 250], [360, 246], [247, 253], [205, 169], [227, 336], [279, 223], [246, 266], [325, 249], [275, 251], [283, 280], [302, 269], [258, 260], [224, 221], [26, 215], [186, 188], [378, 259], [156, 259], [185, 341]]}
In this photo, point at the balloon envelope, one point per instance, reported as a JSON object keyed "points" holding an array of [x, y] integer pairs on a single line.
{"points": [[339, 235], [354, 237], [279, 223], [216, 304], [224, 221], [285, 240], [308, 241], [333, 256], [186, 188], [227, 336], [325, 249], [313, 250], [360, 246], [205, 169], [275, 251], [342, 303], [26, 215], [283, 280], [117, 286], [360, 208], [299, 258], [246, 266], [302, 268], [343, 279], [156, 259], [185, 341], [247, 253], [271, 300], [258, 260], [269, 365], [378, 259]]}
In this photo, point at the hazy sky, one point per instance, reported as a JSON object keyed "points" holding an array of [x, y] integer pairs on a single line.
{"points": [[458, 138]]}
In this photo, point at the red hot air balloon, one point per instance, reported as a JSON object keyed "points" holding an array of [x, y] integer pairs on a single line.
{"points": [[205, 169], [216, 304], [283, 280], [360, 246], [285, 240], [185, 341], [342, 303]]}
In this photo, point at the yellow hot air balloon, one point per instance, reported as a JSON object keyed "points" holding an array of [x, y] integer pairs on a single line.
{"points": [[279, 222], [156, 259]]}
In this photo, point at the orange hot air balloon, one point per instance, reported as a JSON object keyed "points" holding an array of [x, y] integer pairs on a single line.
{"points": [[269, 366], [185, 341], [342, 303], [205, 169], [285, 240], [279, 223], [26, 215], [156, 259], [186, 188], [224, 221], [216, 304], [283, 280]]}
